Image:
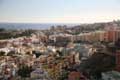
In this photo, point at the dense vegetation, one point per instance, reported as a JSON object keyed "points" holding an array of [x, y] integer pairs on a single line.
{"points": [[7, 34], [24, 71], [100, 62]]}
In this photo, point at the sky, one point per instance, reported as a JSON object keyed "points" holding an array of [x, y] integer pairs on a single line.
{"points": [[59, 11]]}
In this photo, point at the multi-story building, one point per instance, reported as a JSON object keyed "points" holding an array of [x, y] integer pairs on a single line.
{"points": [[107, 35]]}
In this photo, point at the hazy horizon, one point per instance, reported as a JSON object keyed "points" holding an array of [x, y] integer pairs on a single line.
{"points": [[34, 25]]}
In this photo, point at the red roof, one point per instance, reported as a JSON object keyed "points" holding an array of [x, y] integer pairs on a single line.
{"points": [[76, 75]]}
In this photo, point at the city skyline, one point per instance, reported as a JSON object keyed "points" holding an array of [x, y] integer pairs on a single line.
{"points": [[59, 11]]}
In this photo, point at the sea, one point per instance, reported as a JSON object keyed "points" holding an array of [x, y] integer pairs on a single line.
{"points": [[41, 26]]}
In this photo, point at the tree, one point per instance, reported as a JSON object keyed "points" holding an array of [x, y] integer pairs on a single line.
{"points": [[59, 52], [64, 75], [2, 29], [2, 53], [98, 63], [36, 53], [24, 71], [11, 53]]}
